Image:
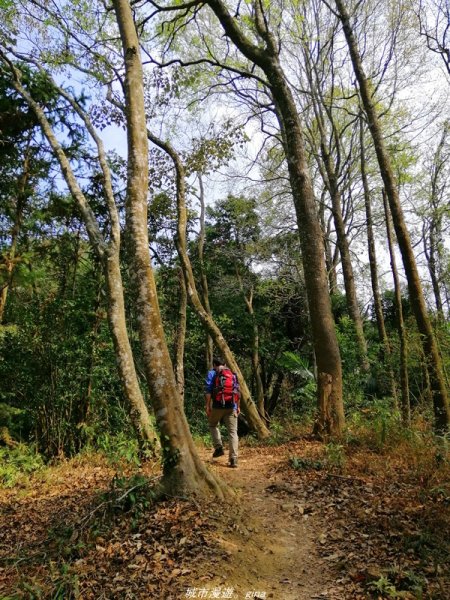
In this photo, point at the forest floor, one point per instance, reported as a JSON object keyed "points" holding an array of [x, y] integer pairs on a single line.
{"points": [[308, 522]]}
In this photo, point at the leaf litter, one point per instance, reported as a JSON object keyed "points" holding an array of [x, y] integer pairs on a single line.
{"points": [[293, 533]]}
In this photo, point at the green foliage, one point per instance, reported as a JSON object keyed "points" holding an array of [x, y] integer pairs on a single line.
{"points": [[335, 456], [353, 378], [377, 422], [65, 585], [295, 364], [397, 583], [119, 448], [305, 464], [385, 588], [17, 463], [132, 495], [59, 374]]}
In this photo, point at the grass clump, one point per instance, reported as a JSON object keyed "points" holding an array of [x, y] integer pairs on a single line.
{"points": [[18, 463]]}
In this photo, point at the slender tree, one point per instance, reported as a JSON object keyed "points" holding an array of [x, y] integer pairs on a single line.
{"points": [[331, 165], [180, 334], [264, 54], [201, 262], [183, 470], [404, 379], [205, 316], [107, 252], [434, 362], [373, 265]]}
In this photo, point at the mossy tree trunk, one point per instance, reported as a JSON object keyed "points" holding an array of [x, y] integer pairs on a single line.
{"points": [[247, 405], [183, 470], [107, 252]]}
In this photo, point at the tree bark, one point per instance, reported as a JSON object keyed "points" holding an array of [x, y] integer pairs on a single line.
{"points": [[183, 471], [346, 262], [109, 258], [256, 366], [404, 380], [203, 279], [331, 417], [330, 266], [330, 174], [382, 334], [180, 335], [247, 405], [434, 362], [430, 255]]}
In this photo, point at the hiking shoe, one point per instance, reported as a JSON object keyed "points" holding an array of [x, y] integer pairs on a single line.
{"points": [[233, 463], [218, 452]]}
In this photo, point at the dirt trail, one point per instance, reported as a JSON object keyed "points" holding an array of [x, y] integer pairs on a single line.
{"points": [[304, 531], [271, 552]]}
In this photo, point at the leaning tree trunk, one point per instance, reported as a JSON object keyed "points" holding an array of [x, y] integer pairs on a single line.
{"points": [[404, 380], [108, 256], [382, 334], [248, 407], [330, 403], [183, 470], [434, 362]]}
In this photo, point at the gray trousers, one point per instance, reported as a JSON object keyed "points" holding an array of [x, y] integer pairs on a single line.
{"points": [[230, 419]]}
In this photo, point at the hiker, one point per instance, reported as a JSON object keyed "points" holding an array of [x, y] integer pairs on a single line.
{"points": [[222, 404]]}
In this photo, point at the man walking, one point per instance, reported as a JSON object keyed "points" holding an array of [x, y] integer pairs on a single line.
{"points": [[222, 404]]}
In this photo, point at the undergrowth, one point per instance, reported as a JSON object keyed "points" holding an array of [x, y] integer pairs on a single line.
{"points": [[18, 463]]}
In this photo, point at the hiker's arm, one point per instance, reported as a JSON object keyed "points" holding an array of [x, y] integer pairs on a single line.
{"points": [[209, 385], [208, 407], [238, 396]]}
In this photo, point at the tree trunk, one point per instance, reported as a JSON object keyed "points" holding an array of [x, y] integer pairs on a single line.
{"points": [[331, 412], [404, 381], [434, 363], [346, 262], [272, 401], [203, 280], [382, 335], [109, 258], [20, 206], [330, 266], [331, 417], [256, 367], [180, 335], [429, 247], [124, 355], [247, 405], [183, 471], [330, 176]]}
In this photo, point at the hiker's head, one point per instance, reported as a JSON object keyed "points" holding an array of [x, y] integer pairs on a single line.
{"points": [[218, 362]]}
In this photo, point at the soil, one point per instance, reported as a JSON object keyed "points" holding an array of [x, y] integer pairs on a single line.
{"points": [[270, 551], [300, 527]]}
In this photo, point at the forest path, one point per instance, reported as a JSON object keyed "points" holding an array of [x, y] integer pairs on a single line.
{"points": [[271, 552], [309, 528]]}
